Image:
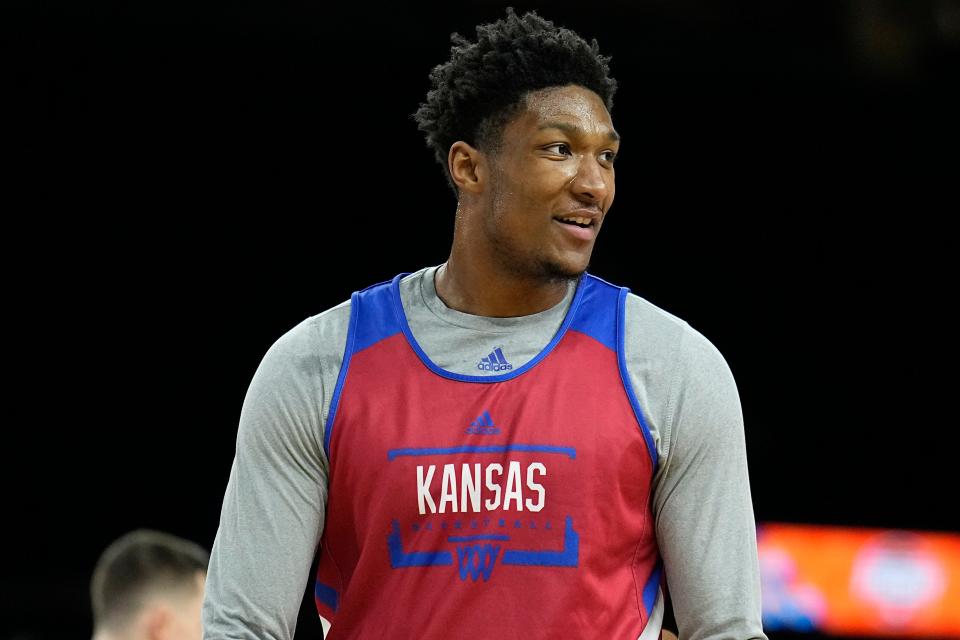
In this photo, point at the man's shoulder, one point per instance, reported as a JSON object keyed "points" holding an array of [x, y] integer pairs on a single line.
{"points": [[640, 307], [654, 327], [652, 320], [326, 331], [639, 310], [317, 334]]}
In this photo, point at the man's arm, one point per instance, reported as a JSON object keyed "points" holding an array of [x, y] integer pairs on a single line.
{"points": [[702, 502], [273, 509]]}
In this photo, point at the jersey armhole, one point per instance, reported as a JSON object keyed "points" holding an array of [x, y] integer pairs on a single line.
{"points": [[338, 389], [625, 378]]}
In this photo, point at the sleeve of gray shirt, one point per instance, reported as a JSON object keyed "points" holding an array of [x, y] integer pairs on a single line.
{"points": [[273, 508], [702, 503]]}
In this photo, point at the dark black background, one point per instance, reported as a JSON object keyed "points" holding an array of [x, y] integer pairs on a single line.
{"points": [[190, 180]]}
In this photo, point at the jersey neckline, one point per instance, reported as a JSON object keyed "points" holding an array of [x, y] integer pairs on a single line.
{"points": [[430, 364], [425, 285]]}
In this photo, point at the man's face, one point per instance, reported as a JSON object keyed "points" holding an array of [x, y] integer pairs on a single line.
{"points": [[552, 183]]}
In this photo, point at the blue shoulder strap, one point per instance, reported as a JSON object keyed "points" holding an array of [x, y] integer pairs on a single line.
{"points": [[372, 319], [602, 316]]}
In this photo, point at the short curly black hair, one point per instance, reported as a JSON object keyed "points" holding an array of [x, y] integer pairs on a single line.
{"points": [[483, 84]]}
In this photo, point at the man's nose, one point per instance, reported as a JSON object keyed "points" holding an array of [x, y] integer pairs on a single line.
{"points": [[592, 182]]}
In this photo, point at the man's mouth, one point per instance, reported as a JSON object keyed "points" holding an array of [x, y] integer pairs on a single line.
{"points": [[577, 221]]}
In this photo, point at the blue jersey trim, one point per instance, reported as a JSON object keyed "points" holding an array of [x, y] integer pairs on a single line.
{"points": [[570, 452], [600, 323], [405, 327], [653, 585], [375, 323], [338, 389], [625, 377], [379, 319], [327, 595]]}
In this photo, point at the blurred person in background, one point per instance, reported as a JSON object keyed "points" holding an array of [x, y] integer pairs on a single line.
{"points": [[148, 585]]}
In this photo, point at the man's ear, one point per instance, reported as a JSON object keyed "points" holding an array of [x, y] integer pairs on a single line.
{"points": [[156, 622], [468, 167]]}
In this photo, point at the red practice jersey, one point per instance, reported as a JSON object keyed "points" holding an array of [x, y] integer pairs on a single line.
{"points": [[515, 504]]}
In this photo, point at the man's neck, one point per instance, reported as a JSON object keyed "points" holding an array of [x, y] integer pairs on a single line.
{"points": [[495, 295]]}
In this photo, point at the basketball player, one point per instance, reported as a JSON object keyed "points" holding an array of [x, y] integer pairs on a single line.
{"points": [[148, 585], [501, 446]]}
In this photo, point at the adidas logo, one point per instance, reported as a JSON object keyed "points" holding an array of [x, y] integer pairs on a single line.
{"points": [[483, 425], [496, 361]]}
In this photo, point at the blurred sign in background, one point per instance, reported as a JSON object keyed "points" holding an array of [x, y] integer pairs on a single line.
{"points": [[861, 582]]}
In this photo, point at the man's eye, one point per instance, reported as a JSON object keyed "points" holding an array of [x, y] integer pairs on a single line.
{"points": [[610, 156], [562, 148]]}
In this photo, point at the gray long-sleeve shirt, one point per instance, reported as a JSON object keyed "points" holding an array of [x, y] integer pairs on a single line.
{"points": [[274, 506]]}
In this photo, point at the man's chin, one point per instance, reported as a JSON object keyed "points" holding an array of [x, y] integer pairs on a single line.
{"points": [[563, 271]]}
